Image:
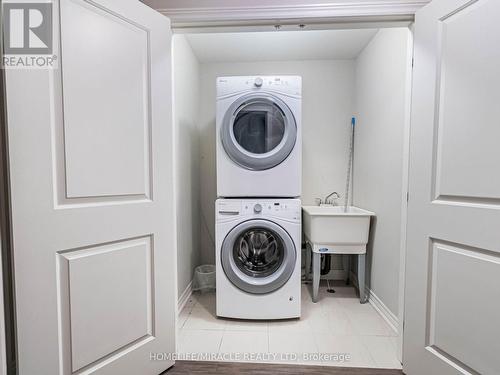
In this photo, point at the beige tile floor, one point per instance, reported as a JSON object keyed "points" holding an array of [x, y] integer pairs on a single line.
{"points": [[336, 326]]}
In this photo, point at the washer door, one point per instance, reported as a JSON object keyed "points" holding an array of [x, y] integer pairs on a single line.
{"points": [[258, 256], [258, 131]]}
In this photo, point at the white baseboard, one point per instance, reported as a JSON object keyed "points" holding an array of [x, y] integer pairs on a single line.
{"points": [[383, 310], [379, 306], [184, 297]]}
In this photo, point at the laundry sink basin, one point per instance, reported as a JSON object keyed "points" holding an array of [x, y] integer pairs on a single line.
{"points": [[340, 231]]}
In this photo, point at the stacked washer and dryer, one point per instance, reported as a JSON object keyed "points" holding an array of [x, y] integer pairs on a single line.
{"points": [[258, 210]]}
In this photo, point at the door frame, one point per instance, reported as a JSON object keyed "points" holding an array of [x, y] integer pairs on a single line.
{"points": [[4, 229], [405, 196], [355, 15], [218, 15]]}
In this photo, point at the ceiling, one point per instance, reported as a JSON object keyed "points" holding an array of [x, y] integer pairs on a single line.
{"points": [[279, 45]]}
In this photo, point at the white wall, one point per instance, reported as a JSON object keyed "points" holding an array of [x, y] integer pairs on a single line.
{"points": [[381, 77], [186, 104], [328, 88]]}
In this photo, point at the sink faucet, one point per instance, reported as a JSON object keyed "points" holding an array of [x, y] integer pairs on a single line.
{"points": [[332, 201]]}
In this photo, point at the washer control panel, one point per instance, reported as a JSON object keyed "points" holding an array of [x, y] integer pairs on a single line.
{"points": [[282, 208]]}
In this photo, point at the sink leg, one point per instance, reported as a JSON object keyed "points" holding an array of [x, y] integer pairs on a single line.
{"points": [[308, 261], [348, 268], [361, 277], [316, 275]]}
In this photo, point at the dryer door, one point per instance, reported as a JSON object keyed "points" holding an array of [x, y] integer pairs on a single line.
{"points": [[258, 131], [258, 256]]}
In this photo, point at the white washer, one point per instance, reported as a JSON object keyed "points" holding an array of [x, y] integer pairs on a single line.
{"points": [[258, 267], [259, 142]]}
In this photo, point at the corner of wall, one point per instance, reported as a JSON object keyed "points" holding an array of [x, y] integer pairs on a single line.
{"points": [[381, 78], [186, 82]]}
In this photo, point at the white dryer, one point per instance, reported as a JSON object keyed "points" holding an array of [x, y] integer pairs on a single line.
{"points": [[259, 136], [258, 266]]}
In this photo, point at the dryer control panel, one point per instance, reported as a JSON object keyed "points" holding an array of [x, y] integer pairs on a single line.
{"points": [[291, 85], [282, 208]]}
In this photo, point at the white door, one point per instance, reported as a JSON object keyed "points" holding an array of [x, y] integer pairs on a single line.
{"points": [[91, 171], [453, 260]]}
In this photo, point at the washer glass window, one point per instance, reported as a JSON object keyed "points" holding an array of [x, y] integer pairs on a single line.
{"points": [[258, 252], [259, 127], [258, 256], [258, 131]]}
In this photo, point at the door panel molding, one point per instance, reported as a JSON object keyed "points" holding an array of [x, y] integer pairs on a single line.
{"points": [[463, 143], [456, 272], [74, 169], [132, 261]]}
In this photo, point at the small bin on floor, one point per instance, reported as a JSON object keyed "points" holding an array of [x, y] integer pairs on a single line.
{"points": [[204, 278]]}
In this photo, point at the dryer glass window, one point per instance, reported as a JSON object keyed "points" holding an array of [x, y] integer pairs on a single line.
{"points": [[259, 127], [258, 252]]}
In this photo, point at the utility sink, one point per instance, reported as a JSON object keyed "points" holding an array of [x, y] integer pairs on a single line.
{"points": [[332, 230]]}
